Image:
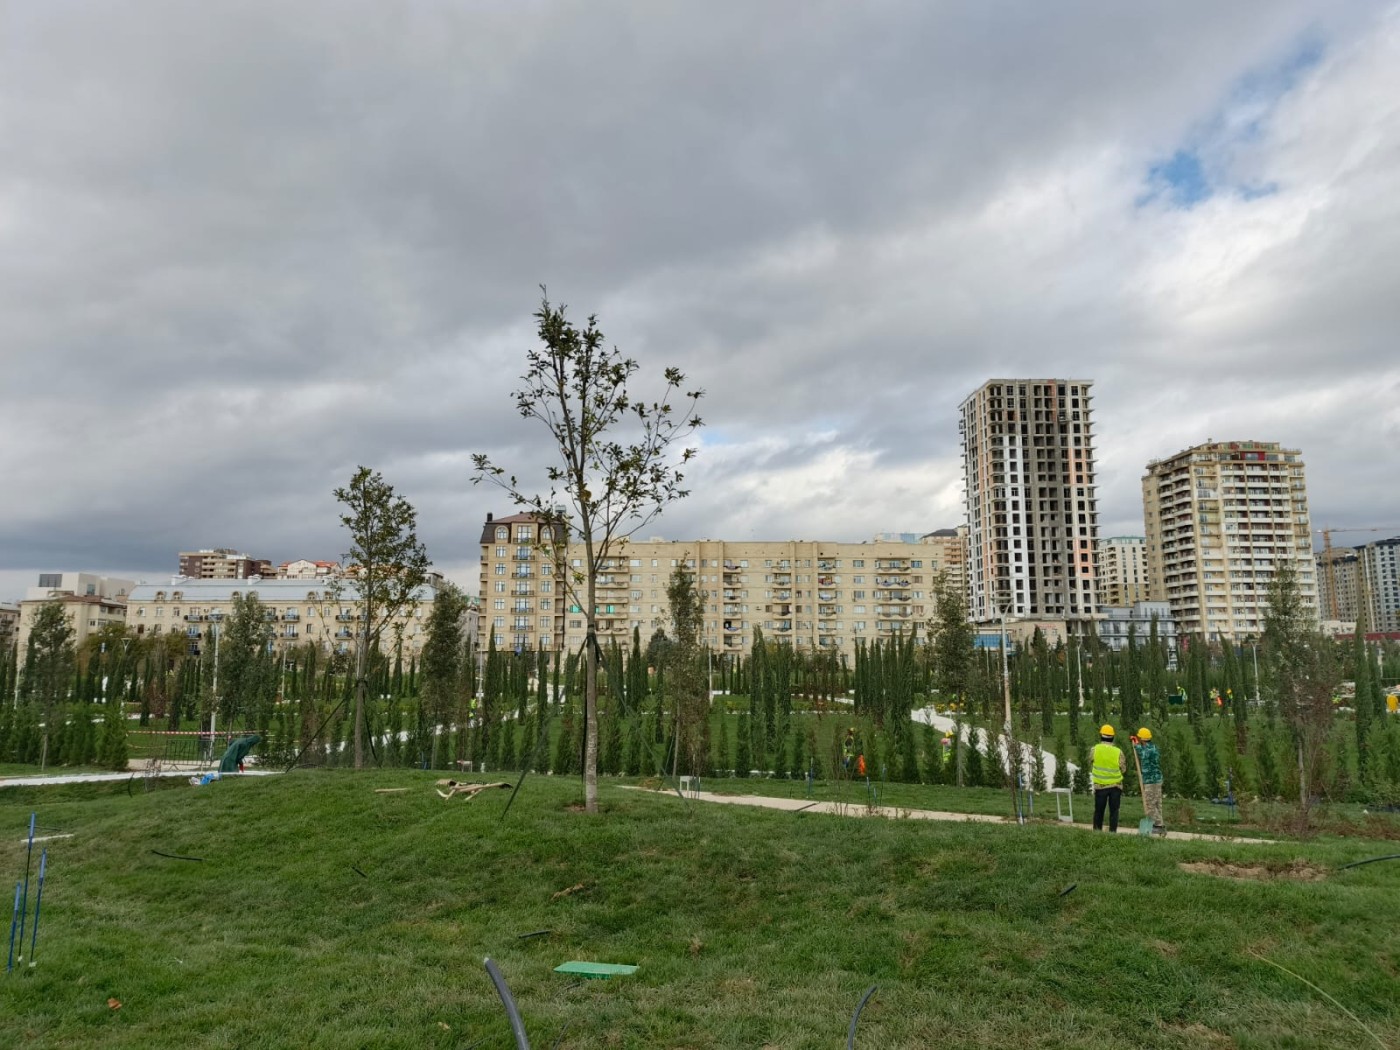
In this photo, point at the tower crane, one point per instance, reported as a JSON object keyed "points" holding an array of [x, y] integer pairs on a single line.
{"points": [[1330, 565]]}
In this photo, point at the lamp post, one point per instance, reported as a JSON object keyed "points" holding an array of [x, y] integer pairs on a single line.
{"points": [[1013, 750]]}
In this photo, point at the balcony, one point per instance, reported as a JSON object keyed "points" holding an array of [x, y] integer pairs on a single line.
{"points": [[291, 617]]}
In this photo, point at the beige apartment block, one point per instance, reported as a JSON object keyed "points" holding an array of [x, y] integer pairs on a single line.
{"points": [[1221, 519], [522, 584], [1031, 501], [86, 613], [297, 612], [1123, 571], [222, 563]]}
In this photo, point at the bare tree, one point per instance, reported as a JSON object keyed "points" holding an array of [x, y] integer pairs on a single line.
{"points": [[616, 467], [386, 564]]}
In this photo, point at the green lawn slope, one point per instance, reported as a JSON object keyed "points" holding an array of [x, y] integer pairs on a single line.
{"points": [[750, 928]]}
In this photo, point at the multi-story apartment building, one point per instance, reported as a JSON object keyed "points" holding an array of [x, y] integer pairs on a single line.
{"points": [[297, 612], [1353, 579], [222, 563], [1221, 519], [522, 584], [1137, 619], [1123, 571], [1031, 502], [90, 601]]}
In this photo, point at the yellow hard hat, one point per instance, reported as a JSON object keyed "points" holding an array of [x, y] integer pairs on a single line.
{"points": [[1105, 730], [1144, 733]]}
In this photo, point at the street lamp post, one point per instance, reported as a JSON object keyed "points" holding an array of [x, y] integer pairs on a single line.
{"points": [[1013, 750]]}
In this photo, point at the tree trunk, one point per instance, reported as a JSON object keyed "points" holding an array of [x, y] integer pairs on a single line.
{"points": [[361, 655], [590, 715]]}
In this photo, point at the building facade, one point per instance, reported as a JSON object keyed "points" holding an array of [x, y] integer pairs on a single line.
{"points": [[1353, 580], [1123, 571], [302, 569], [222, 563], [522, 584], [297, 612], [1031, 501], [1120, 621], [1221, 519], [816, 595], [86, 613]]}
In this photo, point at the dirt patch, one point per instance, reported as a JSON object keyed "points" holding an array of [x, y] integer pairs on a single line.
{"points": [[1297, 870]]}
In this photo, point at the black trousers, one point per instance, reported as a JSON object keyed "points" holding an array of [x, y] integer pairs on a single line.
{"points": [[1112, 798]]}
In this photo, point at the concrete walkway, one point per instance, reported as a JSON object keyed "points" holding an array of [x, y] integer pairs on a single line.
{"points": [[856, 809], [95, 778]]}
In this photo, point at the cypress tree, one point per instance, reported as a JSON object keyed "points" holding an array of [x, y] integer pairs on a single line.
{"points": [[1266, 770], [724, 754], [1082, 782], [1186, 781], [1214, 771], [1061, 779], [743, 758], [973, 775], [1038, 767]]}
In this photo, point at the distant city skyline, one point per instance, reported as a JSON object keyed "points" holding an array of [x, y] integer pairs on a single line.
{"points": [[241, 254]]}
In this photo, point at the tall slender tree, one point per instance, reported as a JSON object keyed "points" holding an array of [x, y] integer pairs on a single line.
{"points": [[617, 465], [386, 567]]}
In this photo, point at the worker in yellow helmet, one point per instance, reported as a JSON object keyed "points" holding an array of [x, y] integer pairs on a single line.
{"points": [[1109, 765], [1150, 763]]}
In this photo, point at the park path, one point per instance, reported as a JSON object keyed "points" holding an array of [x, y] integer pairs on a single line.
{"points": [[854, 809], [95, 778]]}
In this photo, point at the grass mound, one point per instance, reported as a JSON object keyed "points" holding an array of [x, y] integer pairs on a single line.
{"points": [[324, 913]]}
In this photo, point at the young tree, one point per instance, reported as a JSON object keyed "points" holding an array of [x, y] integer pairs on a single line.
{"points": [[685, 672], [1300, 671], [616, 465], [443, 659], [388, 565], [952, 642], [49, 664], [242, 669]]}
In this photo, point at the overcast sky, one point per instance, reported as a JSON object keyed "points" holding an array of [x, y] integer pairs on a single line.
{"points": [[246, 246]]}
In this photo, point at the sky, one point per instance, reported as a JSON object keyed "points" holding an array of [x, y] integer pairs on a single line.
{"points": [[247, 246]]}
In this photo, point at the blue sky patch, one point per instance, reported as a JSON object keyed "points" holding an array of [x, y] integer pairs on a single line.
{"points": [[1199, 168]]}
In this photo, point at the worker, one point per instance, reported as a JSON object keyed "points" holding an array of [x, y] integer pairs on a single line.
{"points": [[1109, 765], [947, 746], [848, 749], [1150, 762]]}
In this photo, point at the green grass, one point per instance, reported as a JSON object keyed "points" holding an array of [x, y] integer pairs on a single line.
{"points": [[751, 928]]}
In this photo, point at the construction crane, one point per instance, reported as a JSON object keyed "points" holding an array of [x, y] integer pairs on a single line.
{"points": [[1330, 565]]}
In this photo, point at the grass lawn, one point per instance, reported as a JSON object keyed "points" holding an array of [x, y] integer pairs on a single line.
{"points": [[751, 928]]}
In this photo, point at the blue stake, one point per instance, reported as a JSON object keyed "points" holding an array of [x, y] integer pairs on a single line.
{"points": [[38, 902], [24, 904], [14, 922]]}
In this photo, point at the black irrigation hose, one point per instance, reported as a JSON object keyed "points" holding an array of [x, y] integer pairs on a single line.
{"points": [[358, 872], [1372, 860], [1068, 889], [560, 1037], [517, 1026], [851, 1035], [537, 933], [809, 805], [176, 856]]}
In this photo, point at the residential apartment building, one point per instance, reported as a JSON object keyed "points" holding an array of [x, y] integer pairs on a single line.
{"points": [[9, 625], [90, 602], [1119, 621], [522, 584], [814, 594], [1031, 501], [297, 612], [83, 584], [1353, 579], [302, 569], [1123, 571], [1221, 519], [222, 563]]}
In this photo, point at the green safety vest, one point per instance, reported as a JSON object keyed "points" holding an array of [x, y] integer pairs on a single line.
{"points": [[1107, 772]]}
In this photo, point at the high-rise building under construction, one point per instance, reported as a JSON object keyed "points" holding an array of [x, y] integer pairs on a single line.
{"points": [[1029, 491]]}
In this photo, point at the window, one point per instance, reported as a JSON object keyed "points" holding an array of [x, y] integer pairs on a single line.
{"points": [[500, 552], [502, 533], [500, 570], [501, 587]]}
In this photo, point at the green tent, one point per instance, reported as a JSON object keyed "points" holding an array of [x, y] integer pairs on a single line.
{"points": [[237, 752]]}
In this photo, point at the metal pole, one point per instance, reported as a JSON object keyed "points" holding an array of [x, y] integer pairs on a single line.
{"points": [[214, 710], [24, 904], [14, 922], [1254, 649], [1013, 765], [38, 903]]}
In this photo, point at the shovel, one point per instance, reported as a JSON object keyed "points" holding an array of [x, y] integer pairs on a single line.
{"points": [[1145, 825]]}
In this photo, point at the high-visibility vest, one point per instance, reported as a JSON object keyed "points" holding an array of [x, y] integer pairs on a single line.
{"points": [[1107, 772]]}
